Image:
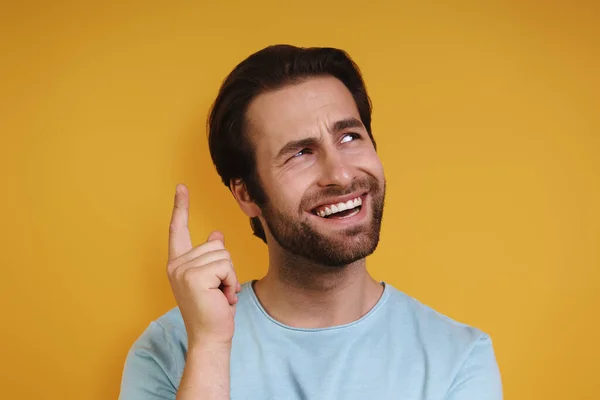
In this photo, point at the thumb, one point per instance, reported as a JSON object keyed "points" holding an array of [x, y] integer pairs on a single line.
{"points": [[216, 235]]}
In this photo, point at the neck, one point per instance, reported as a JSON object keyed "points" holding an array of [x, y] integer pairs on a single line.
{"points": [[303, 294]]}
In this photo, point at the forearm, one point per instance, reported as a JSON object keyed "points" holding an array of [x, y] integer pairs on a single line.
{"points": [[206, 374]]}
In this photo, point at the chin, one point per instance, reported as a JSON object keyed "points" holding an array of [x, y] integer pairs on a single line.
{"points": [[348, 252]]}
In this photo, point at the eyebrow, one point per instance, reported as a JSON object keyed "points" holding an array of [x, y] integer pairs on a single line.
{"points": [[313, 141], [347, 123]]}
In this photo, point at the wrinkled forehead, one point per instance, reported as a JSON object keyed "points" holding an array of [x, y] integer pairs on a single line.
{"points": [[310, 108]]}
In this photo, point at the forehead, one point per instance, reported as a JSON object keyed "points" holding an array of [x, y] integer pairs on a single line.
{"points": [[308, 108]]}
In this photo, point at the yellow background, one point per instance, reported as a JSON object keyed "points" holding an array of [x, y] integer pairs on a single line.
{"points": [[487, 116]]}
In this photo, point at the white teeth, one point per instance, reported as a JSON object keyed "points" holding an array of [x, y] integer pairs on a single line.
{"points": [[335, 208]]}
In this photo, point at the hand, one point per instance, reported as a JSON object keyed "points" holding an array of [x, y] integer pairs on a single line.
{"points": [[202, 278]]}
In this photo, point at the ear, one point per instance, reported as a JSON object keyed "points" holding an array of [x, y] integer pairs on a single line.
{"points": [[240, 192]]}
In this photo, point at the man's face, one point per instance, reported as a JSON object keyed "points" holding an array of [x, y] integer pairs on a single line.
{"points": [[322, 179]]}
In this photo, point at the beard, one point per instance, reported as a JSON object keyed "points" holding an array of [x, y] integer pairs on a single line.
{"points": [[297, 235]]}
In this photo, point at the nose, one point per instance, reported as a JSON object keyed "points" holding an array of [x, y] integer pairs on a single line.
{"points": [[335, 170]]}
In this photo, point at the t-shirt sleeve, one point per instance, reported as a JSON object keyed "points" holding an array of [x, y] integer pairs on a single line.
{"points": [[150, 368], [479, 376]]}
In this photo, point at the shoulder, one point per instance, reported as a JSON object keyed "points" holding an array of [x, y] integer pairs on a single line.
{"points": [[465, 352], [171, 323], [434, 330], [157, 357], [167, 332]]}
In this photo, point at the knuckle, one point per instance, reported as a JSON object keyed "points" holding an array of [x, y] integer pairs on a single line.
{"points": [[178, 273], [189, 275], [225, 263], [170, 268], [225, 254]]}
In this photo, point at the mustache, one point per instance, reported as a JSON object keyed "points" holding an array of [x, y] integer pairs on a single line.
{"points": [[368, 184]]}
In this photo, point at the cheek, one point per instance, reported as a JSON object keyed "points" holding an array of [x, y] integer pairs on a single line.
{"points": [[377, 166], [368, 161], [286, 191]]}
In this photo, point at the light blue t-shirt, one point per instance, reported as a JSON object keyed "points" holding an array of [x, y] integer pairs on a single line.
{"points": [[401, 349]]}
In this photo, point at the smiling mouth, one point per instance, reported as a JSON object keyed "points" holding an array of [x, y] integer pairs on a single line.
{"points": [[339, 210]]}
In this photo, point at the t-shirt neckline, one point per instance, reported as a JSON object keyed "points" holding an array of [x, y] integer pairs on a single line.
{"points": [[386, 289]]}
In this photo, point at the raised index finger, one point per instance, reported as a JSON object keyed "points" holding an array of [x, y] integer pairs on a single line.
{"points": [[180, 241]]}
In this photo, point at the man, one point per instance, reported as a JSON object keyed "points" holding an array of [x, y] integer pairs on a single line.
{"points": [[290, 135]]}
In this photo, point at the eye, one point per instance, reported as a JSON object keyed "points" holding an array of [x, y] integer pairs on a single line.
{"points": [[301, 153], [350, 137]]}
